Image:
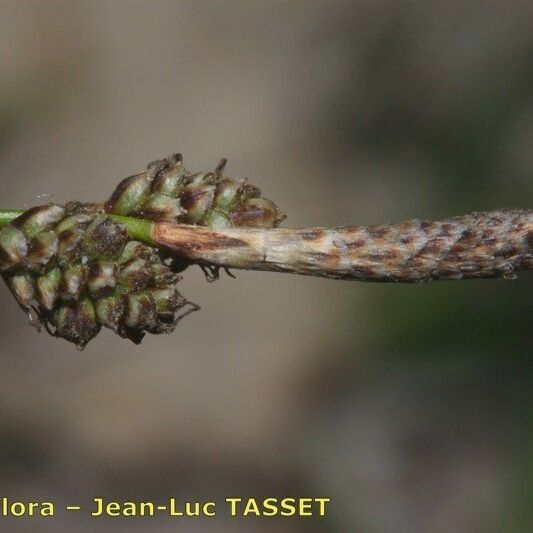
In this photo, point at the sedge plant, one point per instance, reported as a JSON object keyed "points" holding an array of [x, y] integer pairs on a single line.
{"points": [[117, 264]]}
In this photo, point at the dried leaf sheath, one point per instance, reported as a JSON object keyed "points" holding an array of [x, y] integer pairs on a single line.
{"points": [[479, 245]]}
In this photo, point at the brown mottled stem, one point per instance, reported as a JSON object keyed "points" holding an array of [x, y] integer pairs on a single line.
{"points": [[478, 245]]}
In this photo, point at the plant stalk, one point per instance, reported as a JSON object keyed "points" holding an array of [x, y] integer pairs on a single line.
{"points": [[8, 216], [479, 245], [138, 229]]}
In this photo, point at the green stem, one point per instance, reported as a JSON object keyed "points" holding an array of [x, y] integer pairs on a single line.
{"points": [[140, 230], [8, 216]]}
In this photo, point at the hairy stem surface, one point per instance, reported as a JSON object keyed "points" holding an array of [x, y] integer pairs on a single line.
{"points": [[479, 245]]}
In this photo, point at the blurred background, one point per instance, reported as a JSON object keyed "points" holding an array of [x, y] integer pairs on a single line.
{"points": [[409, 406]]}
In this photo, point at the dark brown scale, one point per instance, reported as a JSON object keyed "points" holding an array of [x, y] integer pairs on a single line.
{"points": [[110, 311], [42, 249], [257, 213], [136, 189], [73, 282], [69, 246], [136, 275], [76, 322], [104, 239], [161, 208], [163, 275], [196, 200], [140, 316], [102, 278], [39, 219], [13, 248]]}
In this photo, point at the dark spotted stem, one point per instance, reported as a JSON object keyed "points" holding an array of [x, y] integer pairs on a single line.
{"points": [[479, 245]]}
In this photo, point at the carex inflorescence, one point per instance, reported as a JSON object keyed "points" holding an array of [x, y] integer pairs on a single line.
{"points": [[74, 268], [166, 192]]}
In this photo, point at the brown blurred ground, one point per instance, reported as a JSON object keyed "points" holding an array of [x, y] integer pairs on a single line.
{"points": [[409, 406]]}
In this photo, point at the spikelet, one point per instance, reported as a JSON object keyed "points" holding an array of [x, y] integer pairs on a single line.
{"points": [[73, 269], [167, 192]]}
